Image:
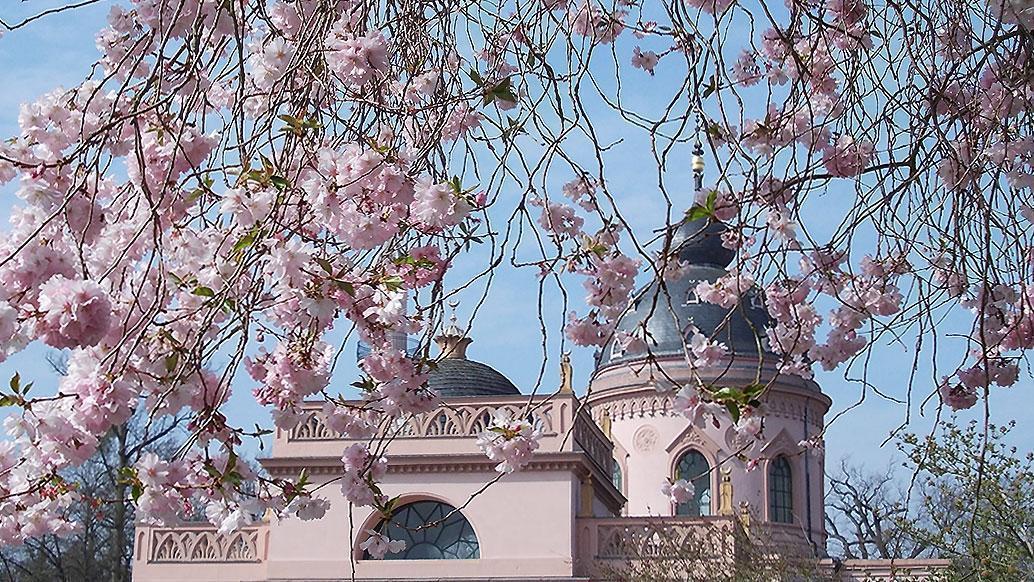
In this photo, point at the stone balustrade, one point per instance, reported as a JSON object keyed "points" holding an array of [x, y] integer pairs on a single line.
{"points": [[565, 425], [199, 543], [445, 421]]}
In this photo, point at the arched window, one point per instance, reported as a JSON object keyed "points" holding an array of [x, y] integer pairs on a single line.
{"points": [[692, 466], [780, 491], [432, 531], [615, 474]]}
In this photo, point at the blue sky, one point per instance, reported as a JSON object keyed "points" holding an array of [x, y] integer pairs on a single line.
{"points": [[60, 49]]}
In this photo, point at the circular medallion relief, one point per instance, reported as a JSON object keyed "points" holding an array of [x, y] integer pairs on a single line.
{"points": [[645, 439]]}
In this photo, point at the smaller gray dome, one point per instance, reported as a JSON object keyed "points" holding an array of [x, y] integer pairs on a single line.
{"points": [[463, 377]]}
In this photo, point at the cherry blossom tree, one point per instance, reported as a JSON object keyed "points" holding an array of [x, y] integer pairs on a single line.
{"points": [[236, 180]]}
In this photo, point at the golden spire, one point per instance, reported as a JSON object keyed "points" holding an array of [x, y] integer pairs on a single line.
{"points": [[452, 341]]}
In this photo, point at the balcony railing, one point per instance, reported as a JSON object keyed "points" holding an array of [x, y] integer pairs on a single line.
{"points": [[193, 543]]}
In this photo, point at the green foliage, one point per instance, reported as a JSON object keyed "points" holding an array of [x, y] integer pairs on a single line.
{"points": [[977, 504], [706, 210]]}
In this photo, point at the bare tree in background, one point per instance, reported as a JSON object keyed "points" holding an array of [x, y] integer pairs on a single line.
{"points": [[864, 512], [979, 515], [102, 548]]}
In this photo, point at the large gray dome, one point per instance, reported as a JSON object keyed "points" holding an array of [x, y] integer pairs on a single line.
{"points": [[463, 377], [670, 309]]}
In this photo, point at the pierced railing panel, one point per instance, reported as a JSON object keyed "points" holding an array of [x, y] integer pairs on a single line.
{"points": [[456, 420], [195, 545]]}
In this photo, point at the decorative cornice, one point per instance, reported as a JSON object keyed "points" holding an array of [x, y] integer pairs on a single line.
{"points": [[645, 402], [460, 463], [578, 462]]}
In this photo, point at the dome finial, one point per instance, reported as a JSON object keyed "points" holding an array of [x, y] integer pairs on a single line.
{"points": [[452, 340], [698, 155]]}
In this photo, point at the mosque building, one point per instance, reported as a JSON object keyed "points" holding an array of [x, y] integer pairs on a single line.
{"points": [[589, 505]]}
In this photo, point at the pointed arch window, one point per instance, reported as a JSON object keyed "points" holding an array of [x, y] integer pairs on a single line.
{"points": [[615, 475], [432, 531], [692, 466], [780, 490], [691, 295]]}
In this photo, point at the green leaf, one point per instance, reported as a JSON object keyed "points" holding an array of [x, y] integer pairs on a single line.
{"points": [[392, 283], [280, 182], [734, 411], [325, 265], [204, 291], [195, 194], [294, 122], [255, 176], [233, 477], [697, 212], [754, 389], [8, 400], [389, 506], [345, 286], [712, 85], [245, 242], [171, 361], [705, 211], [16, 382], [502, 91], [728, 393], [267, 164]]}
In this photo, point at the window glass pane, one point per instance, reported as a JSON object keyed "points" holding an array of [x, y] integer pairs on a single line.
{"points": [[615, 475], [693, 466], [780, 491], [432, 531]]}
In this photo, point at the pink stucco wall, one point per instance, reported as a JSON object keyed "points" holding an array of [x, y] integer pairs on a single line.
{"points": [[508, 519], [650, 438], [548, 522]]}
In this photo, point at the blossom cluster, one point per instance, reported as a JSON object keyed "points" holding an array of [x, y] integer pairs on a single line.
{"points": [[510, 441]]}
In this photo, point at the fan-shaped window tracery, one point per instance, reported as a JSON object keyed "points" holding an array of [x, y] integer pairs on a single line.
{"points": [[432, 531]]}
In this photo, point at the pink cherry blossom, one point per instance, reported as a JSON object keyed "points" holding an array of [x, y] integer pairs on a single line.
{"points": [[437, 206], [559, 219], [510, 441], [308, 508], [706, 353], [957, 396], [726, 290], [290, 373], [378, 545], [460, 121], [848, 156], [74, 313], [592, 21], [356, 60], [678, 491], [645, 60]]}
